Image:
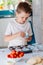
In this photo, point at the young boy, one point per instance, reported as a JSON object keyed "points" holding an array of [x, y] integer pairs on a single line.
{"points": [[19, 26]]}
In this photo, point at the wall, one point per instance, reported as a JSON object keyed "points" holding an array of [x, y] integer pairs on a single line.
{"points": [[3, 25], [37, 20], [42, 19]]}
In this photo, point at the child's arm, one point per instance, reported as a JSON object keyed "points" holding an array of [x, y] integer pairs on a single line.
{"points": [[13, 36], [7, 38]]}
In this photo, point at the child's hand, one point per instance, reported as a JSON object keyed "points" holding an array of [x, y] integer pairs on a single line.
{"points": [[22, 34], [28, 39]]}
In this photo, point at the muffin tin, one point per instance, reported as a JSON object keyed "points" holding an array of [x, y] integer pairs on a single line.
{"points": [[25, 48]]}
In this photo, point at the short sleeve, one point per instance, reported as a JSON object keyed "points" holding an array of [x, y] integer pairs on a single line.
{"points": [[8, 29], [30, 30]]}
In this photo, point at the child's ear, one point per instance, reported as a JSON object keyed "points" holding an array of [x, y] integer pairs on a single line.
{"points": [[29, 14]]}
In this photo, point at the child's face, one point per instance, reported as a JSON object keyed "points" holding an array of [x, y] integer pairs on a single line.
{"points": [[22, 17]]}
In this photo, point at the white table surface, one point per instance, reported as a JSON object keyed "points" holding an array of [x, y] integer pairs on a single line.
{"points": [[4, 52]]}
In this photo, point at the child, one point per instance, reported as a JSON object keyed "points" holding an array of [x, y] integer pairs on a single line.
{"points": [[19, 26]]}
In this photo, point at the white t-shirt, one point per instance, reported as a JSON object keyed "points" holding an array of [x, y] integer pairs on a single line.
{"points": [[14, 27]]}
